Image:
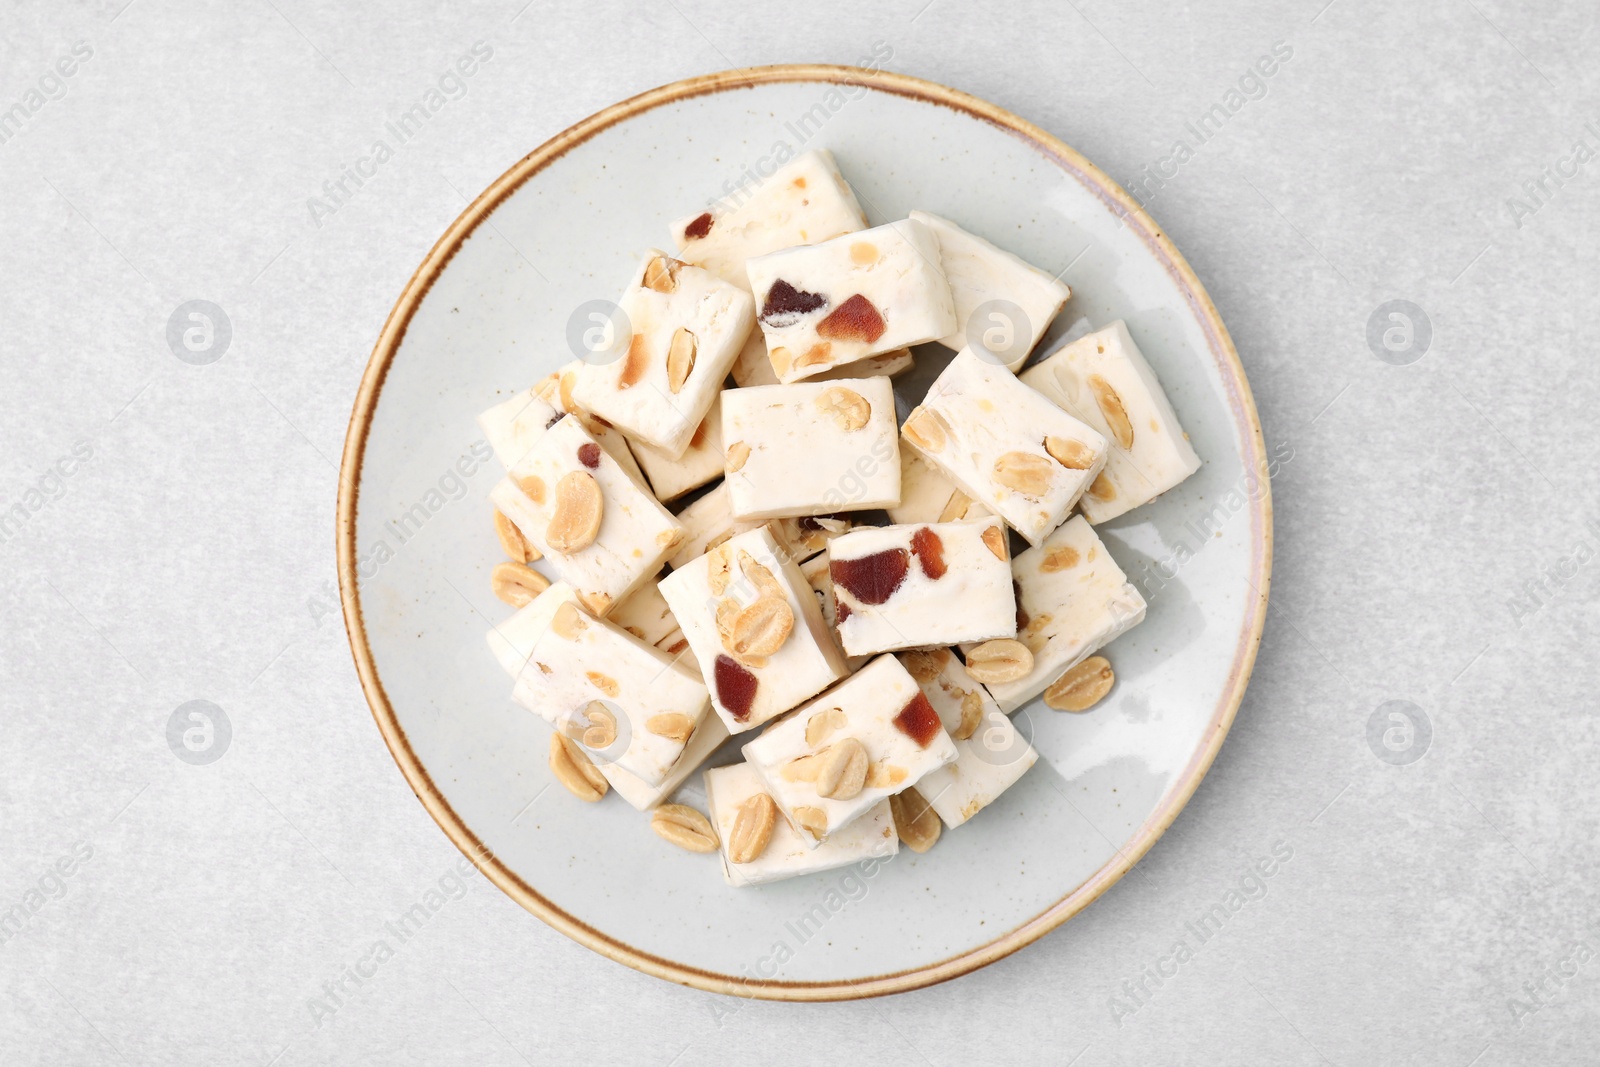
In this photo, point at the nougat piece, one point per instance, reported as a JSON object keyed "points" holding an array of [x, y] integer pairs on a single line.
{"points": [[700, 464], [1103, 379], [566, 479], [1003, 304], [990, 754], [688, 326], [626, 702], [755, 628], [1072, 600], [804, 201], [920, 585], [787, 852], [869, 737], [1005, 445], [926, 495], [813, 448], [826, 305], [644, 796]]}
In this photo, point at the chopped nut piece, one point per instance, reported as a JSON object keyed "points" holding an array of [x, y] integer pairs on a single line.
{"points": [[1102, 488], [1000, 660], [1112, 408], [719, 570], [925, 429], [1024, 472], [917, 824], [813, 821], [574, 770], [673, 724], [604, 682], [684, 827], [736, 455], [956, 508], [661, 274], [761, 629], [516, 583], [568, 622], [762, 578], [1082, 687], [576, 521], [885, 776], [848, 408], [1074, 455], [995, 540], [602, 728], [680, 359], [843, 771], [971, 716], [803, 768], [533, 485], [1059, 559], [752, 828], [925, 665], [515, 545], [636, 362], [823, 723]]}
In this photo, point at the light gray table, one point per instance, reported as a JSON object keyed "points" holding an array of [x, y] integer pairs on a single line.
{"points": [[169, 534]]}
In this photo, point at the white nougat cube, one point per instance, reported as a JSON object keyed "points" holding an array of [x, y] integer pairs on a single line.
{"points": [[580, 662], [804, 201], [881, 707], [636, 533], [788, 852], [921, 585], [1005, 445], [1103, 379], [825, 305], [706, 595], [687, 328], [1003, 303], [700, 464], [990, 754], [1073, 600], [814, 448]]}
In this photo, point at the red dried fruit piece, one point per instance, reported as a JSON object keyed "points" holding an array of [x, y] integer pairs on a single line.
{"points": [[930, 553], [785, 302], [736, 687], [1022, 616], [841, 612], [918, 721], [589, 454], [854, 320], [871, 579], [699, 227]]}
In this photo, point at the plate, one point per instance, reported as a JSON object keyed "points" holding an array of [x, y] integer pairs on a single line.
{"points": [[489, 311]]}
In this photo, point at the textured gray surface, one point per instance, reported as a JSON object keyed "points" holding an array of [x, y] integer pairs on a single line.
{"points": [[1437, 911]]}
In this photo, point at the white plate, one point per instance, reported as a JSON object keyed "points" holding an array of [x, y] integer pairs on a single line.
{"points": [[488, 312]]}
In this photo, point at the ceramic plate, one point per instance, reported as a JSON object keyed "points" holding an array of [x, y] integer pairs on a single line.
{"points": [[488, 312]]}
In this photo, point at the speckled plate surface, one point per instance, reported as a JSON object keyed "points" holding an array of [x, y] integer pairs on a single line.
{"points": [[488, 312]]}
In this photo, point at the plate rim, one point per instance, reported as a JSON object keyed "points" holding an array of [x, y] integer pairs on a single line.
{"points": [[1241, 403]]}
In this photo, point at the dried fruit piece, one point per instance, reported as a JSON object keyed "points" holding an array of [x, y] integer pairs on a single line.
{"points": [[568, 621], [785, 304], [1111, 407], [589, 455], [1023, 472], [1102, 489], [925, 428], [735, 456], [736, 687], [823, 723], [516, 546], [762, 628], [1000, 660], [533, 486], [752, 828], [661, 274], [602, 728], [918, 721], [848, 408], [680, 358], [843, 770], [971, 715], [871, 579], [1074, 455], [635, 363], [574, 770], [994, 539], [576, 521], [956, 507], [917, 824], [854, 320], [924, 665], [760, 576], [930, 553], [1059, 559], [813, 821], [517, 584], [699, 226], [1082, 687], [684, 827], [674, 725]]}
